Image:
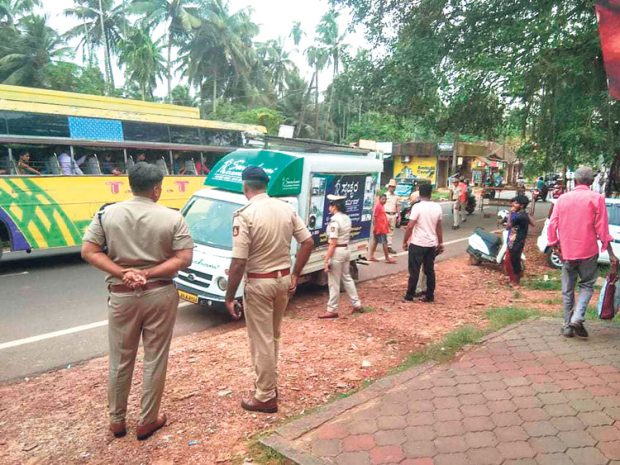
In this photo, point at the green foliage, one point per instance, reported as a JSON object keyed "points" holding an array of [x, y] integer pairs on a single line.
{"points": [[523, 68], [377, 126], [28, 51], [70, 77], [181, 95], [142, 58], [267, 117]]}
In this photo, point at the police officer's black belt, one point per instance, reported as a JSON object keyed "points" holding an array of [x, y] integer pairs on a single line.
{"points": [[342, 245]]}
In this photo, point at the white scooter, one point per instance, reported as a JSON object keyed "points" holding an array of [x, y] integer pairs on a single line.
{"points": [[486, 247]]}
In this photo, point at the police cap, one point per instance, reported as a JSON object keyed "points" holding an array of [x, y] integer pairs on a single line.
{"points": [[254, 173]]}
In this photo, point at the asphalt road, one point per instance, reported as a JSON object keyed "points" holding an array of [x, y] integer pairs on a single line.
{"points": [[53, 306]]}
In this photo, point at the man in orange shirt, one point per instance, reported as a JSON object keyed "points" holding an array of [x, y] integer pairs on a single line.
{"points": [[381, 228]]}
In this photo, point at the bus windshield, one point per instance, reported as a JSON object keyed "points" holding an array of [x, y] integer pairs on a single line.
{"points": [[210, 221]]}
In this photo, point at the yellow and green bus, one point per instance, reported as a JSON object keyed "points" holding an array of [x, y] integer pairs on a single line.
{"points": [[64, 155]]}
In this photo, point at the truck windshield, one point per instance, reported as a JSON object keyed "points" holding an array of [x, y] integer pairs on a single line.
{"points": [[210, 221]]}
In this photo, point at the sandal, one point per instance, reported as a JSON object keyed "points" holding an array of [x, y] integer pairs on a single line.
{"points": [[391, 261]]}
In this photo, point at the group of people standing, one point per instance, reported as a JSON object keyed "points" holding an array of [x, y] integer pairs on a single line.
{"points": [[143, 301]]}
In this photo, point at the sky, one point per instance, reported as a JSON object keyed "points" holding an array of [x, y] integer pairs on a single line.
{"points": [[275, 18]]}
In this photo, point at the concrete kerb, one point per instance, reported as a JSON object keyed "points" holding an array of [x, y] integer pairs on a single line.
{"points": [[282, 440]]}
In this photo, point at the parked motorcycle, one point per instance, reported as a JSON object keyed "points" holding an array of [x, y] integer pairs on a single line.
{"points": [[486, 247]]}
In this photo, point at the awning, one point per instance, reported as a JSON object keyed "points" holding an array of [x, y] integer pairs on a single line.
{"points": [[284, 170]]}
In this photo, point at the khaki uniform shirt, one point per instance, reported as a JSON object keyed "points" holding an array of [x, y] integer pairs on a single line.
{"points": [[340, 228], [391, 204], [138, 233], [262, 233]]}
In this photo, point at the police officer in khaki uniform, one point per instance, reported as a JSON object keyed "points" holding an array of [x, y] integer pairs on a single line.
{"points": [[262, 234], [141, 246], [391, 210], [338, 258]]}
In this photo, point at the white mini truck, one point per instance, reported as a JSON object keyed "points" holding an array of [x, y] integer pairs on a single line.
{"points": [[301, 179]]}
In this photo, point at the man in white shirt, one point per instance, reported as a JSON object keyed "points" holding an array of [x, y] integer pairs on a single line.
{"points": [[69, 166], [424, 241]]}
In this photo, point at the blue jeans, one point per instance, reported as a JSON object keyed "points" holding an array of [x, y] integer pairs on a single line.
{"points": [[587, 271]]}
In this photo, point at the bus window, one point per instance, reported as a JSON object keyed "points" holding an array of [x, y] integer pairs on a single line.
{"points": [[112, 162], [5, 162], [27, 158], [184, 163], [161, 158], [101, 160]]}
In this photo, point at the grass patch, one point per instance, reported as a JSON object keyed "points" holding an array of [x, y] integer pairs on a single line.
{"points": [[503, 316], [553, 283], [264, 455], [365, 309], [454, 341], [555, 301], [440, 196]]}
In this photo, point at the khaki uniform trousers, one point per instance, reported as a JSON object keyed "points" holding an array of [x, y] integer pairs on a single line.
{"points": [[340, 272], [131, 315], [264, 304], [458, 212], [392, 222]]}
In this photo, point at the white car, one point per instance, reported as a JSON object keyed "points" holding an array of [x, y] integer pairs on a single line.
{"points": [[613, 211]]}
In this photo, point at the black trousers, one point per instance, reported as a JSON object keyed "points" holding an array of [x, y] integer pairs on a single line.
{"points": [[515, 258], [421, 257]]}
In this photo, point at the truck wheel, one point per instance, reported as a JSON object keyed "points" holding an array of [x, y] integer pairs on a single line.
{"points": [[319, 278], [473, 260], [553, 260]]}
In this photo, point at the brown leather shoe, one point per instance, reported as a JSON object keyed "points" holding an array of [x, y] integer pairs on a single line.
{"points": [[253, 405], [146, 431], [119, 429], [328, 315]]}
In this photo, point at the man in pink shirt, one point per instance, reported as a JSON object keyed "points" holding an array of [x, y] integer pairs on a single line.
{"points": [[579, 220], [424, 241]]}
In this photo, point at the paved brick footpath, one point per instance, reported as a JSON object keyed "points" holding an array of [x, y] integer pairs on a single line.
{"points": [[525, 396]]}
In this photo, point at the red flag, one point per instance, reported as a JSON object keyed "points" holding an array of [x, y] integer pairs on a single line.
{"points": [[608, 14]]}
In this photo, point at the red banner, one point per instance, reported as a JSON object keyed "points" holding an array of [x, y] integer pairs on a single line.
{"points": [[608, 14]]}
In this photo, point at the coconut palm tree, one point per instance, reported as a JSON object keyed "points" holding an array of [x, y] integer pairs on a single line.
{"points": [[297, 33], [332, 42], [33, 48], [101, 27], [294, 104], [276, 61], [219, 57], [142, 59], [10, 10], [180, 17], [317, 58]]}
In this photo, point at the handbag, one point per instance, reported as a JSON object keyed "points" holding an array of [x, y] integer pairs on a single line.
{"points": [[608, 301]]}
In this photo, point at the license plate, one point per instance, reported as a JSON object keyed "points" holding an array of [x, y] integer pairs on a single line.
{"points": [[189, 297]]}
